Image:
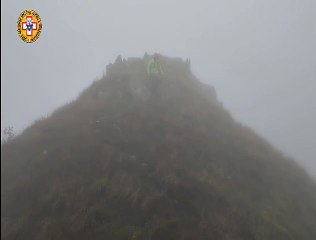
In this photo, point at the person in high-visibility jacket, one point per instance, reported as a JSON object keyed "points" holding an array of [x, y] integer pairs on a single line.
{"points": [[154, 71]]}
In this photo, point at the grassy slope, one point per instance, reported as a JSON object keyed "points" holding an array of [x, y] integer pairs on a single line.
{"points": [[116, 164]]}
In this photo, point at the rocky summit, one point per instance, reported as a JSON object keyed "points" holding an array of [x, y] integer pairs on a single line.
{"points": [[121, 163]]}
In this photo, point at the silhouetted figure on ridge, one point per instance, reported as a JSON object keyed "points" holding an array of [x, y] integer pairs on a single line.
{"points": [[118, 59], [121, 76], [146, 56], [154, 71]]}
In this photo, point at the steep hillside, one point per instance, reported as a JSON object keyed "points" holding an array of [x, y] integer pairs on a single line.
{"points": [[119, 163]]}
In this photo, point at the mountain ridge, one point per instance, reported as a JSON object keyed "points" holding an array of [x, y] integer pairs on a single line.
{"points": [[117, 163]]}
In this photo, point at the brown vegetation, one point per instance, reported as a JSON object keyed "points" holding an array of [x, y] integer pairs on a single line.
{"points": [[119, 164]]}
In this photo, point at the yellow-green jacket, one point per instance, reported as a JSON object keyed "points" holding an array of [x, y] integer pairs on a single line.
{"points": [[154, 67]]}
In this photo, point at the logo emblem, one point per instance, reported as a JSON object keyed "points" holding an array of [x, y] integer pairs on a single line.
{"points": [[29, 26]]}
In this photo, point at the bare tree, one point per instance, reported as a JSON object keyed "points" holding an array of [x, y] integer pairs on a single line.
{"points": [[8, 133]]}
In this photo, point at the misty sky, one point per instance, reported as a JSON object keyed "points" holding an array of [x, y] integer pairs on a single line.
{"points": [[260, 55]]}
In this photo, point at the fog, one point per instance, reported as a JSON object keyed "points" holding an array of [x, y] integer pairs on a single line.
{"points": [[259, 55]]}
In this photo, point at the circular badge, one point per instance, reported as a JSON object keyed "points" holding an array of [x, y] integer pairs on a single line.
{"points": [[29, 26]]}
